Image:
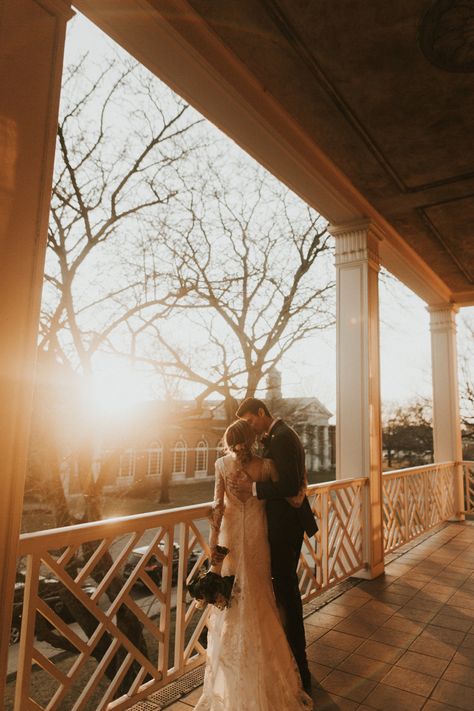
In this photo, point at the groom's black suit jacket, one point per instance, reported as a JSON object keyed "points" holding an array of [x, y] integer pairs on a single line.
{"points": [[283, 446]]}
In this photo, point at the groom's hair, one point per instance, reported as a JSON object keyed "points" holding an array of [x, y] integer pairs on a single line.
{"points": [[252, 405]]}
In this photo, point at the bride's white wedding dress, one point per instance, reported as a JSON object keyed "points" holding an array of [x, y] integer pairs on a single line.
{"points": [[250, 666]]}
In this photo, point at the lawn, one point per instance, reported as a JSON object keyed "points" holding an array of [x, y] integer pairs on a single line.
{"points": [[37, 516]]}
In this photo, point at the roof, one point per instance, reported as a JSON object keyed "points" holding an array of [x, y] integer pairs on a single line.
{"points": [[386, 92], [365, 109]]}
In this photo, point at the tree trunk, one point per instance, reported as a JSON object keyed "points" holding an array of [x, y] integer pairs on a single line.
{"points": [[231, 406]]}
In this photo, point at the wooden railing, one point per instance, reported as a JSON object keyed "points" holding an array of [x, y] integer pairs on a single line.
{"points": [[415, 500], [338, 549], [136, 633], [135, 630], [468, 475]]}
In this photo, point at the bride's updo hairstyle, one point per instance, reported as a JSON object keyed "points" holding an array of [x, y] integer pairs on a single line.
{"points": [[239, 438]]}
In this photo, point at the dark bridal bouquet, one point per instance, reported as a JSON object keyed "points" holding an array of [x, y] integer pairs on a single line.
{"points": [[210, 587]]}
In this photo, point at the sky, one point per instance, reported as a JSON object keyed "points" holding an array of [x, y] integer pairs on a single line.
{"points": [[310, 368]]}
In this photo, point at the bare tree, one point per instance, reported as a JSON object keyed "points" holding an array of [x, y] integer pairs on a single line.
{"points": [[467, 374], [245, 255], [467, 385], [167, 250], [407, 434], [120, 139]]}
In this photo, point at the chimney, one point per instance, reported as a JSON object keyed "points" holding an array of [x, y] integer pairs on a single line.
{"points": [[273, 385]]}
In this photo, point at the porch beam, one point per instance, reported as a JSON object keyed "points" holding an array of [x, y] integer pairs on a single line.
{"points": [[32, 36], [174, 42]]}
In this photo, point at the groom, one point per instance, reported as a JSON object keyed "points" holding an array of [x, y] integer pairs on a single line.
{"points": [[286, 523]]}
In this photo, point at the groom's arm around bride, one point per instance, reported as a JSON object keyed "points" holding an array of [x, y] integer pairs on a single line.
{"points": [[284, 448]]}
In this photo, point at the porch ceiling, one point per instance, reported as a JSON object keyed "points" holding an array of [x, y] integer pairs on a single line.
{"points": [[382, 90]]}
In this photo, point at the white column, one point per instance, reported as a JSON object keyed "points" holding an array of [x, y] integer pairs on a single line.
{"points": [[446, 418], [327, 463], [31, 40], [317, 448], [358, 425]]}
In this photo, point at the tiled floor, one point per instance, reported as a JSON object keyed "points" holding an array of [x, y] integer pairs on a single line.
{"points": [[402, 642]]}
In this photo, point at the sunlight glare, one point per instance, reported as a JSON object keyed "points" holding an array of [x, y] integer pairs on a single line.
{"points": [[116, 391]]}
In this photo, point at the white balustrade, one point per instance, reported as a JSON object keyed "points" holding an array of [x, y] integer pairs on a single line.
{"points": [[415, 500], [468, 471], [336, 552], [139, 632]]}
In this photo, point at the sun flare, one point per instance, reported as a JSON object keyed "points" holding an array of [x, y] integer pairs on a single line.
{"points": [[116, 390]]}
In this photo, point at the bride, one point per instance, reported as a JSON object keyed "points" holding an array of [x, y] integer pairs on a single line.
{"points": [[249, 665]]}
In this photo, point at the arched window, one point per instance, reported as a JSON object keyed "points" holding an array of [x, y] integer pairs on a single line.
{"points": [[179, 459], [202, 458], [155, 459], [127, 466]]}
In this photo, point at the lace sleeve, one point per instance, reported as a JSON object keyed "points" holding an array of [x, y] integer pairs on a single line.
{"points": [[218, 507]]}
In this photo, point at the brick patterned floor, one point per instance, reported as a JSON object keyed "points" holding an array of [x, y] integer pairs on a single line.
{"points": [[402, 642]]}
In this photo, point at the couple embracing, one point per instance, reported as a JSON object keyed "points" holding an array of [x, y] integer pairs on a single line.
{"points": [[256, 655]]}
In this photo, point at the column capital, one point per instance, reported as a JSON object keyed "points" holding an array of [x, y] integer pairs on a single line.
{"points": [[442, 316], [357, 241]]}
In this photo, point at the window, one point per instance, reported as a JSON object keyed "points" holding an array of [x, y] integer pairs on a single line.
{"points": [[179, 459], [155, 460], [202, 457], [127, 466]]}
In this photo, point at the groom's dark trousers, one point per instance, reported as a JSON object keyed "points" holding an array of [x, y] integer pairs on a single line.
{"points": [[286, 526]]}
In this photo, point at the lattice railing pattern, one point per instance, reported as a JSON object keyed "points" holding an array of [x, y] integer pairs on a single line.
{"points": [[415, 500], [468, 472], [134, 633], [131, 628], [130, 632], [336, 552]]}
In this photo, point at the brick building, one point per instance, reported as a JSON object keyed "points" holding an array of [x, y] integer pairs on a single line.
{"points": [[171, 438]]}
